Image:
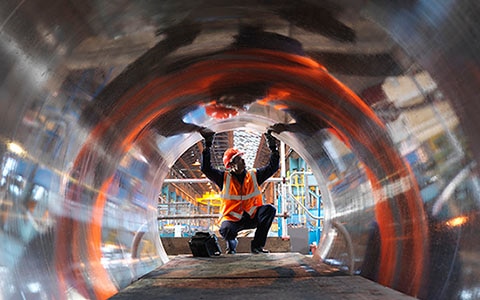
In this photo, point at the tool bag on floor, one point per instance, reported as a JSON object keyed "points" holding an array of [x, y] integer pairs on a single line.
{"points": [[204, 244]]}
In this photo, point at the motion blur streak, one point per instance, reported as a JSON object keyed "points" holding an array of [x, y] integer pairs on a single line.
{"points": [[340, 106], [100, 99]]}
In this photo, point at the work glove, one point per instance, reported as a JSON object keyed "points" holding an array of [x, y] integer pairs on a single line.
{"points": [[271, 140], [279, 127], [208, 136]]}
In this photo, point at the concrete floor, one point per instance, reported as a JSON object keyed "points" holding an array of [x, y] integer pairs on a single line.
{"points": [[247, 276]]}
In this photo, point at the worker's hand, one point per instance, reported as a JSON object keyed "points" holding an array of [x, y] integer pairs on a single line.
{"points": [[271, 140], [208, 136], [278, 127]]}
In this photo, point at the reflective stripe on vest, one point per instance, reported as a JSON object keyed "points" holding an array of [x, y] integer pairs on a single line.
{"points": [[227, 196], [235, 214], [252, 210], [234, 205]]}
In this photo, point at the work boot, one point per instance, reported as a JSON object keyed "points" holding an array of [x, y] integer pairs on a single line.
{"points": [[259, 250]]}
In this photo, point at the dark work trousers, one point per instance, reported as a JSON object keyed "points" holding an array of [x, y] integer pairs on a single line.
{"points": [[262, 221]]}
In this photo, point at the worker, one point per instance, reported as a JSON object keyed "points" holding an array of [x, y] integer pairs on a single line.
{"points": [[242, 202]]}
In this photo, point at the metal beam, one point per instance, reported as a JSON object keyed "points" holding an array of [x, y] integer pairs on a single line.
{"points": [[204, 216], [205, 180]]}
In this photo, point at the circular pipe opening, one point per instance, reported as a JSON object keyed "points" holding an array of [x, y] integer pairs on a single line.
{"points": [[308, 108], [70, 184]]}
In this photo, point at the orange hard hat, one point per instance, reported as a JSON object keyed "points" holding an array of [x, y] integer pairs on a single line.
{"points": [[229, 155]]}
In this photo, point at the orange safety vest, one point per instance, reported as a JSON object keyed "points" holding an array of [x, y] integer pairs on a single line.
{"points": [[238, 198]]}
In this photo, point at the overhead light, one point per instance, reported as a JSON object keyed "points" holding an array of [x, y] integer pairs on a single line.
{"points": [[196, 163], [16, 148]]}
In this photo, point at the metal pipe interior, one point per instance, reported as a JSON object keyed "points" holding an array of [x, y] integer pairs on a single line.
{"points": [[99, 100]]}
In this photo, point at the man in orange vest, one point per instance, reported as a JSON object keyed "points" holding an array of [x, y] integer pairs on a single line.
{"points": [[242, 204]]}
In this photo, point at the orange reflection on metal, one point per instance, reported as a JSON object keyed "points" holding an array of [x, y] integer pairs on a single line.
{"points": [[280, 106], [384, 218], [274, 94], [218, 111], [340, 136], [352, 121], [305, 83], [458, 221], [84, 251], [102, 285]]}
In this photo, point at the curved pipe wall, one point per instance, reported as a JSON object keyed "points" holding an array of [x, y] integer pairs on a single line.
{"points": [[87, 141]]}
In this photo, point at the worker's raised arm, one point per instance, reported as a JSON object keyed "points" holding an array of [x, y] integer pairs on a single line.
{"points": [[206, 164], [267, 171]]}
